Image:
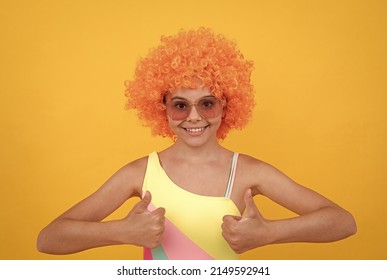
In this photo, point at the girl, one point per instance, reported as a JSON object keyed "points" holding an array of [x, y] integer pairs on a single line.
{"points": [[197, 196]]}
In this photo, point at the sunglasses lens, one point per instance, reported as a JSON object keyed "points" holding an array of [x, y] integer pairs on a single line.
{"points": [[208, 108], [178, 109]]}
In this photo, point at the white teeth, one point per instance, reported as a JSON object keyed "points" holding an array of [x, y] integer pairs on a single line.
{"points": [[195, 130]]}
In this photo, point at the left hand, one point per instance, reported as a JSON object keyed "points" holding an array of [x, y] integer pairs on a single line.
{"points": [[246, 232]]}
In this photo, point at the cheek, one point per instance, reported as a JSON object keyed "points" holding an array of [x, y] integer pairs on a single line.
{"points": [[216, 122], [173, 124]]}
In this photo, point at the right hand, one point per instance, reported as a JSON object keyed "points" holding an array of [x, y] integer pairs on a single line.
{"points": [[146, 227]]}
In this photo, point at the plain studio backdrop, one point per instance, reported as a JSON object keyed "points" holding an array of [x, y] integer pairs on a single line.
{"points": [[320, 81]]}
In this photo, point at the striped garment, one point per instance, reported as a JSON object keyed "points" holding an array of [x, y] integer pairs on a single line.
{"points": [[193, 222]]}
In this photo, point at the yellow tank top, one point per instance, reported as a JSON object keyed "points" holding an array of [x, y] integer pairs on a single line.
{"points": [[193, 222]]}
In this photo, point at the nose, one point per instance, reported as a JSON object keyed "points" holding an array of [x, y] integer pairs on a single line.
{"points": [[194, 114]]}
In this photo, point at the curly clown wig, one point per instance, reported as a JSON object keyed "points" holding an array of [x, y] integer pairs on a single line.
{"points": [[192, 59]]}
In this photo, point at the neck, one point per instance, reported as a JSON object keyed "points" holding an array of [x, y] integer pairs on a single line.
{"points": [[210, 150]]}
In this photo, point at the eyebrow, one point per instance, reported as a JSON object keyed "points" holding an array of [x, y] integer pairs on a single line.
{"points": [[182, 98]]}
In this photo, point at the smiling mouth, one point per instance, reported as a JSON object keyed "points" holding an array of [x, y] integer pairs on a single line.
{"points": [[195, 129]]}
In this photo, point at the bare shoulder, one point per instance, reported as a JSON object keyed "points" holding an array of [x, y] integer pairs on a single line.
{"points": [[256, 172], [251, 167], [248, 161], [126, 182], [253, 164], [123, 184], [131, 176], [136, 165], [267, 180]]}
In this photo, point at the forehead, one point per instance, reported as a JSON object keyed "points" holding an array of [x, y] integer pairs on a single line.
{"points": [[189, 93]]}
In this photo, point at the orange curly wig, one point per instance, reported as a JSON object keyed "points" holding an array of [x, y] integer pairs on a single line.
{"points": [[192, 59]]}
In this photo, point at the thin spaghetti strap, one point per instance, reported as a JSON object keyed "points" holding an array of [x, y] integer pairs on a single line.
{"points": [[231, 178]]}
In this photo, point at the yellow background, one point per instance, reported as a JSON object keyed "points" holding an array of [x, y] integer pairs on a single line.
{"points": [[320, 79]]}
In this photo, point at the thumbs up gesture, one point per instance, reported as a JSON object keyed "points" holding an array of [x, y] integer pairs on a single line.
{"points": [[246, 232], [143, 227]]}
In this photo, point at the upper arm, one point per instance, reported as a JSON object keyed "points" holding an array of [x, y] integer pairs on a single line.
{"points": [[125, 183], [277, 186]]}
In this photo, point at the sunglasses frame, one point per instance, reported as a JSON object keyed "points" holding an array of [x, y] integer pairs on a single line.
{"points": [[222, 103]]}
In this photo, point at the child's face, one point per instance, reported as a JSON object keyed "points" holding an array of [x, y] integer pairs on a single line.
{"points": [[194, 115]]}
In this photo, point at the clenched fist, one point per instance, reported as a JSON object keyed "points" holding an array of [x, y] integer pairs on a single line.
{"points": [[246, 232], [144, 227]]}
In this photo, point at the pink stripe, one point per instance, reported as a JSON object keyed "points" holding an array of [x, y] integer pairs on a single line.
{"points": [[147, 254], [178, 246]]}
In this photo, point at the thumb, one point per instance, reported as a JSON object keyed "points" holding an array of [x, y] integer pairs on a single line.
{"points": [[251, 210], [231, 218], [145, 201], [159, 212]]}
